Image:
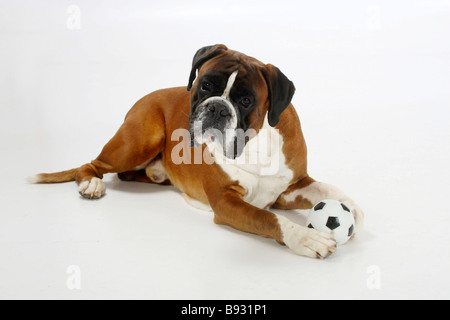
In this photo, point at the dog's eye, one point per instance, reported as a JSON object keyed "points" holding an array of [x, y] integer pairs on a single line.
{"points": [[206, 86], [246, 102]]}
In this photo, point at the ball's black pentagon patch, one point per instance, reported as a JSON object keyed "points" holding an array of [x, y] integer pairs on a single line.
{"points": [[319, 206], [310, 226], [333, 223], [350, 231], [345, 207]]}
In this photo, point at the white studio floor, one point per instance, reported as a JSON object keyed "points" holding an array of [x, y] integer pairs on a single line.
{"points": [[374, 102]]}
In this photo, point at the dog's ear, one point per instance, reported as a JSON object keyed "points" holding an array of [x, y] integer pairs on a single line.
{"points": [[204, 54], [281, 91]]}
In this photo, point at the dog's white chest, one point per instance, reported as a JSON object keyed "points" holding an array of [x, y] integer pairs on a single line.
{"points": [[261, 168]]}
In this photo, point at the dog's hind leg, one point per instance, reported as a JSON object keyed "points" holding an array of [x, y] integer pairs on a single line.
{"points": [[135, 144]]}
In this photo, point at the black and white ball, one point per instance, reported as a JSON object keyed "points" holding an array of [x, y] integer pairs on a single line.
{"points": [[332, 216]]}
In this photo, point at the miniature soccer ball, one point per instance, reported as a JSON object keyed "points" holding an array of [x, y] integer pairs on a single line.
{"points": [[332, 216]]}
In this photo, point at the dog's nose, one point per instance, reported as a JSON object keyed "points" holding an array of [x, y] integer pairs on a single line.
{"points": [[219, 110]]}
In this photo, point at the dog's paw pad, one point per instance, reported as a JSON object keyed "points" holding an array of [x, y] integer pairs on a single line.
{"points": [[92, 189]]}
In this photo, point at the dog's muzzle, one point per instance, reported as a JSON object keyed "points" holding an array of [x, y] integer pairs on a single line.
{"points": [[218, 110], [216, 115]]}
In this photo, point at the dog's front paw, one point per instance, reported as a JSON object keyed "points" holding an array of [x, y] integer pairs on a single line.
{"points": [[306, 242], [92, 189]]}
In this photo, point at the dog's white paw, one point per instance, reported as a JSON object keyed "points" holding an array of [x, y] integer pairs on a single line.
{"points": [[155, 171], [306, 242], [92, 189]]}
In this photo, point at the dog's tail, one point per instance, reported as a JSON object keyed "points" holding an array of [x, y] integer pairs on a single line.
{"points": [[63, 176]]}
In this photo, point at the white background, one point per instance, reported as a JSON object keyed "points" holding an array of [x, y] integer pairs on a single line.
{"points": [[373, 95]]}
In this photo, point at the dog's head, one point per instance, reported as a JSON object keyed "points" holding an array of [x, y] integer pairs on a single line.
{"points": [[233, 93]]}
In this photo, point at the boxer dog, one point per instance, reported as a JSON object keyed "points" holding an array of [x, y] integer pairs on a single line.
{"points": [[230, 141]]}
